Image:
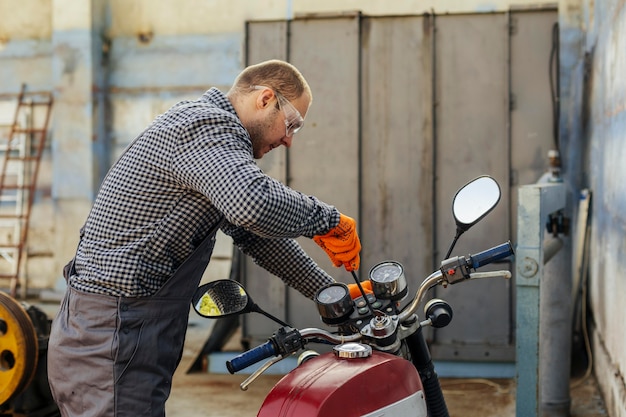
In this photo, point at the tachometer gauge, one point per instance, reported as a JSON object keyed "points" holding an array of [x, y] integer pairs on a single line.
{"points": [[334, 303], [388, 281]]}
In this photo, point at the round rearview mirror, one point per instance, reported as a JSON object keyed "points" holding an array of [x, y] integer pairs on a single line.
{"points": [[220, 298], [474, 200]]}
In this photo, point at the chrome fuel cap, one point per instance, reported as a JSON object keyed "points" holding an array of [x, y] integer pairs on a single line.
{"points": [[352, 350]]}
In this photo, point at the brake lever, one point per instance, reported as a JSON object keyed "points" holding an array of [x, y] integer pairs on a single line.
{"points": [[249, 380], [491, 274]]}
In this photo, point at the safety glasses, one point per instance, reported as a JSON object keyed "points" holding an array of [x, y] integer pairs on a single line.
{"points": [[293, 119]]}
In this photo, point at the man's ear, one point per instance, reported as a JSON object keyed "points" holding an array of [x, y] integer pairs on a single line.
{"points": [[264, 99]]}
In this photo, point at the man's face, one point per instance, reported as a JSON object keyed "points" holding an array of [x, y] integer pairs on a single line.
{"points": [[276, 123], [264, 134]]}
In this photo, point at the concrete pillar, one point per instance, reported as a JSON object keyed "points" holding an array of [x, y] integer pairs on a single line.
{"points": [[73, 122]]}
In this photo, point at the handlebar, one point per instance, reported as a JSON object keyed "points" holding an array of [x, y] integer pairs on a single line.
{"points": [[333, 338], [472, 261], [252, 356], [271, 347]]}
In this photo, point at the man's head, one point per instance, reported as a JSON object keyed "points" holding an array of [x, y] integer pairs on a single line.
{"points": [[271, 99]]}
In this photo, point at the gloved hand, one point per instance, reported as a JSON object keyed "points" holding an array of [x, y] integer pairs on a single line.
{"points": [[342, 244], [356, 293]]}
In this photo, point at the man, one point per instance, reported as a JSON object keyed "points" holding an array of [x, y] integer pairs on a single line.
{"points": [[119, 334]]}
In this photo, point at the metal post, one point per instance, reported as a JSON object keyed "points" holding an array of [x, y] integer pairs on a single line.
{"points": [[555, 333], [536, 202]]}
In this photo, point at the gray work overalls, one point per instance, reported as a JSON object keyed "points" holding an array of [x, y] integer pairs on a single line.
{"points": [[115, 356]]}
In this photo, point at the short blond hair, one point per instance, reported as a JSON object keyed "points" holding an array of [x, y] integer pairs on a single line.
{"points": [[279, 75]]}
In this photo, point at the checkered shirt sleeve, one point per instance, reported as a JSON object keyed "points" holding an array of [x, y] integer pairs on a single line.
{"points": [[189, 169]]}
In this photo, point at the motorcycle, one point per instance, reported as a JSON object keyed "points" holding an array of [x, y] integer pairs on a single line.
{"points": [[380, 362]]}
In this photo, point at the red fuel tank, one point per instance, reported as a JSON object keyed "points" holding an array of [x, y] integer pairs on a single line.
{"points": [[330, 386]]}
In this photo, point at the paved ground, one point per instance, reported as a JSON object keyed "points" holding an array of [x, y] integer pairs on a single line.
{"points": [[219, 395]]}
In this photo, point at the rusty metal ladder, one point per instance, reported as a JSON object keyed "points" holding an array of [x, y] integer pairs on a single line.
{"points": [[21, 158]]}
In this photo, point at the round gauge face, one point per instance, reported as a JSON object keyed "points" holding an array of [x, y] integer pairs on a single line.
{"points": [[332, 294], [386, 272]]}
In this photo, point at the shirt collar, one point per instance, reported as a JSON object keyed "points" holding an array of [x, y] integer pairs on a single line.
{"points": [[219, 99]]}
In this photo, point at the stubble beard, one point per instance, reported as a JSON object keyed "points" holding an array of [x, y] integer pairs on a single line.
{"points": [[257, 131]]}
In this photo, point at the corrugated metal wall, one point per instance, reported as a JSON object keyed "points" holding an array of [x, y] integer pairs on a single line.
{"points": [[406, 110]]}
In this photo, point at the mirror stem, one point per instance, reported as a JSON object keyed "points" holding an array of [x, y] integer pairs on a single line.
{"points": [[257, 309], [459, 232]]}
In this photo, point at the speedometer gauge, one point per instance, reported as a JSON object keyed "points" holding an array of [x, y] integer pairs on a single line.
{"points": [[334, 303], [331, 294], [388, 281]]}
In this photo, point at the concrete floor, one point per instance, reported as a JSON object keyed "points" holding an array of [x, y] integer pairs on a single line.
{"points": [[219, 395], [206, 394]]}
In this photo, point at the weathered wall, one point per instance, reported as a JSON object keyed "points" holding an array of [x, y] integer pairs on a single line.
{"points": [[115, 64], [593, 129], [148, 57], [606, 136]]}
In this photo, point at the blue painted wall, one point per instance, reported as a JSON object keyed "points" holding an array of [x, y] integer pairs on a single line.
{"points": [[593, 132], [606, 134]]}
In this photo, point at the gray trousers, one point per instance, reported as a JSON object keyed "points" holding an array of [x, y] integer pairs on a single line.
{"points": [[115, 356]]}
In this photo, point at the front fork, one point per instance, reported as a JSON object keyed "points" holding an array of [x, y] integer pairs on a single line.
{"points": [[421, 359]]}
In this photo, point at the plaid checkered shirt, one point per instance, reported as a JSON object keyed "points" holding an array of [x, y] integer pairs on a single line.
{"points": [[191, 168]]}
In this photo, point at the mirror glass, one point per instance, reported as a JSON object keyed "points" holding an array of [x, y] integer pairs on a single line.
{"points": [[475, 200], [220, 298]]}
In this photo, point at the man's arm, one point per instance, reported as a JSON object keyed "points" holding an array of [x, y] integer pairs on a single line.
{"points": [[282, 257]]}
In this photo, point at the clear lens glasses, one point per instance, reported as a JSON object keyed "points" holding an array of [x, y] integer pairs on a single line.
{"points": [[293, 119]]}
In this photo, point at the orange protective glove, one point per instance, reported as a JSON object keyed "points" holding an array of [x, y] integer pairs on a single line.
{"points": [[356, 293], [342, 244]]}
